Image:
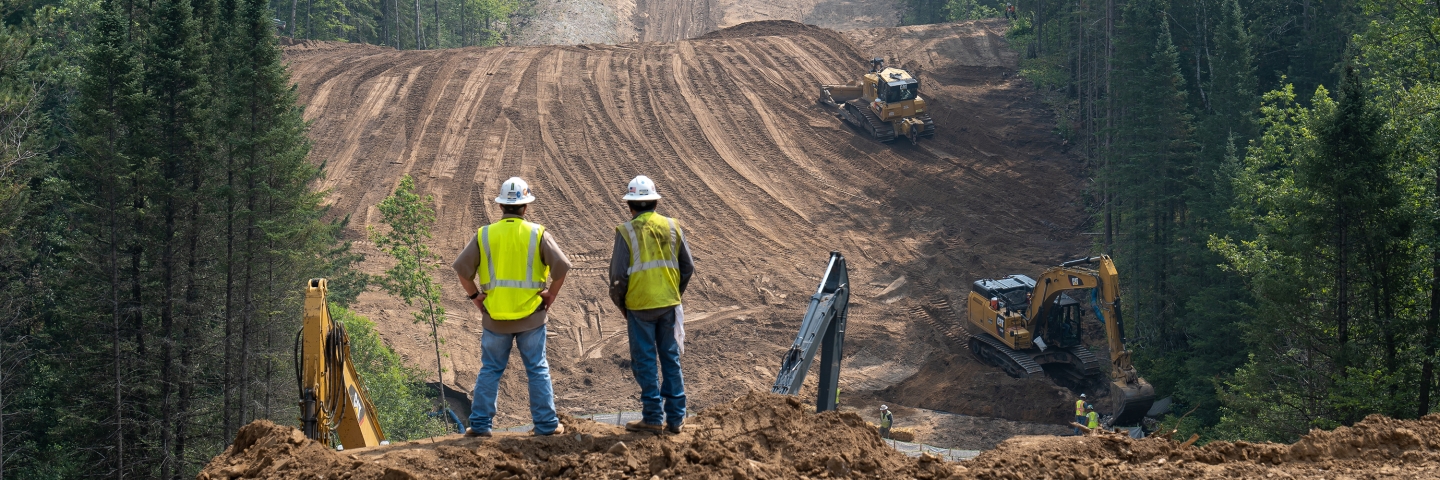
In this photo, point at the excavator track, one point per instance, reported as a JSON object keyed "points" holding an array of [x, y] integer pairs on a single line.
{"points": [[929, 125], [860, 113], [991, 351], [1089, 363]]}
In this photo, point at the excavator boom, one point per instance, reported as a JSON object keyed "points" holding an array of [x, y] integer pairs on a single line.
{"points": [[334, 405], [823, 329]]}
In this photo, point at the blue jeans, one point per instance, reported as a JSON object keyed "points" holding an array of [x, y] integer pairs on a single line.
{"points": [[495, 354], [649, 341]]}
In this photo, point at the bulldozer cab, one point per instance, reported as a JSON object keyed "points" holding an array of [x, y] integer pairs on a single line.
{"points": [[896, 86]]}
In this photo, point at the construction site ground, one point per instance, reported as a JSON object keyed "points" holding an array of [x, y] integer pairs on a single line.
{"points": [[765, 181], [767, 436]]}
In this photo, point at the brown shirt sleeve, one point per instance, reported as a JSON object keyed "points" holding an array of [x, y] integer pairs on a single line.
{"points": [[552, 256], [469, 259]]}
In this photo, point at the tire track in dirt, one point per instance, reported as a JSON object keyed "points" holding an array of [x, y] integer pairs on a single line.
{"points": [[764, 181]]}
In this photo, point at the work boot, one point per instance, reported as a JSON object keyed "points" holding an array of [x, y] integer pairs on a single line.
{"points": [[559, 429], [675, 427], [471, 433], [641, 426]]}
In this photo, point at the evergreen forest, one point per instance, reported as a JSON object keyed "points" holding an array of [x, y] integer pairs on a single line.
{"points": [[1266, 173]]}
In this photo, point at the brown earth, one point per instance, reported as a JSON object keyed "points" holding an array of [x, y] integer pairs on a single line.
{"points": [[765, 180], [768, 436]]}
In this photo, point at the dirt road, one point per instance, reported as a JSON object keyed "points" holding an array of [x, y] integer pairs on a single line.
{"points": [[766, 182]]}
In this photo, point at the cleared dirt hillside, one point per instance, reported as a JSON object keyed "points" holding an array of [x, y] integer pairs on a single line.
{"points": [[765, 180]]}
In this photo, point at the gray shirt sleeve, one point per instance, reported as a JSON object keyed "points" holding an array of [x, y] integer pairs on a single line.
{"points": [[619, 271], [687, 265]]}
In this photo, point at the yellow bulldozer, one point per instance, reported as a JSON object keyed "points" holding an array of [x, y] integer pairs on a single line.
{"points": [[885, 102], [1019, 324]]}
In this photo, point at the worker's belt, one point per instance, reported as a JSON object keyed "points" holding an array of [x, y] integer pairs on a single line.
{"points": [[529, 263], [637, 266]]}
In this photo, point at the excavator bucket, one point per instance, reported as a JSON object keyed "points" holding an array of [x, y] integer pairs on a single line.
{"points": [[1131, 401]]}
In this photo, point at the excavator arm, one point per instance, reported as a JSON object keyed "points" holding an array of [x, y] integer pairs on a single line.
{"points": [[824, 321], [334, 405], [1131, 394]]}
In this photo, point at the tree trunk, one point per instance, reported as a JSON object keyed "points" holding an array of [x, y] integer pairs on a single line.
{"points": [[1432, 320], [294, 4], [419, 39]]}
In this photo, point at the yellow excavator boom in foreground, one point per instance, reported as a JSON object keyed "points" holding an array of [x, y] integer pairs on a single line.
{"points": [[1025, 323], [334, 406]]}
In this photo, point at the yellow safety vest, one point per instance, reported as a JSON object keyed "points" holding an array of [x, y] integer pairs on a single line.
{"points": [[654, 243], [886, 419], [1094, 419], [1079, 408], [509, 252]]}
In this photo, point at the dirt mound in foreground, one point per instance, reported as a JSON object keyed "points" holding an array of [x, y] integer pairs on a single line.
{"points": [[1377, 447], [769, 436], [757, 436]]}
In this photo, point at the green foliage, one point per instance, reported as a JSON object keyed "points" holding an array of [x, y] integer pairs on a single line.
{"points": [[461, 23], [397, 390], [409, 218], [960, 10], [1330, 264]]}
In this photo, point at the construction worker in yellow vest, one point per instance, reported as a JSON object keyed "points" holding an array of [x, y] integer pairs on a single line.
{"points": [[512, 258], [1092, 419], [1080, 412], [649, 268], [886, 421]]}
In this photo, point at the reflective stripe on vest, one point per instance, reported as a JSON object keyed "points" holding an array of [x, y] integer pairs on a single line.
{"points": [[654, 243], [1079, 408], [511, 294]]}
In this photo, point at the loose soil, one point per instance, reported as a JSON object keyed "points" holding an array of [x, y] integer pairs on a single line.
{"points": [[766, 181], [768, 436]]}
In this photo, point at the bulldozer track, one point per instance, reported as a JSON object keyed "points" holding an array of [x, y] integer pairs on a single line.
{"points": [[882, 131]]}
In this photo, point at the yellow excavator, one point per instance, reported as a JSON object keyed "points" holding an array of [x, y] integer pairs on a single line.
{"points": [[885, 102], [335, 409], [1025, 323]]}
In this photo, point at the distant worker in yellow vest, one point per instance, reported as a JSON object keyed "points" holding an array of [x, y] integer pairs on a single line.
{"points": [[512, 258], [886, 421], [649, 268], [1079, 413], [1092, 419]]}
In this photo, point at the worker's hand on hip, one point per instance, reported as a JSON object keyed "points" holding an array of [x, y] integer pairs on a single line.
{"points": [[547, 297], [479, 301]]}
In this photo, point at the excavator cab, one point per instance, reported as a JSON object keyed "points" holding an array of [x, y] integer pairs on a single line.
{"points": [[1062, 322]]}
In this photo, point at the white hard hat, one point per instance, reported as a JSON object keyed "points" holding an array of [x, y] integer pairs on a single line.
{"points": [[882, 407], [514, 192], [1082, 395], [642, 188]]}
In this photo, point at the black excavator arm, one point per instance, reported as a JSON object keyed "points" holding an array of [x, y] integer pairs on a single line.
{"points": [[823, 329]]}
